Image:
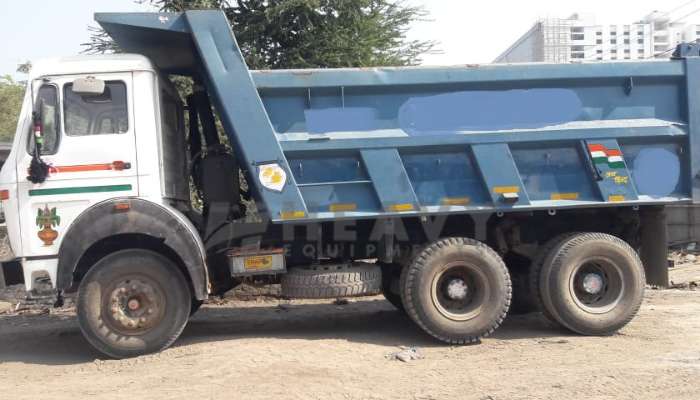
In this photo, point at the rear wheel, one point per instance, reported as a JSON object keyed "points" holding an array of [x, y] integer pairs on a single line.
{"points": [[133, 302], [535, 272], [458, 290], [592, 283]]}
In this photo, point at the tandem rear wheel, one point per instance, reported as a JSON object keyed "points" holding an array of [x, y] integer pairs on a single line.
{"points": [[590, 283], [458, 290]]}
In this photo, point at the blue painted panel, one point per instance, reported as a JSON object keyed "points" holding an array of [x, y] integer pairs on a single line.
{"points": [[362, 195], [510, 74], [498, 172], [461, 108], [445, 175], [489, 111], [389, 178], [692, 106], [327, 169], [554, 172]]}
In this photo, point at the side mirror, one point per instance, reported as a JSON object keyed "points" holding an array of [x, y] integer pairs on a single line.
{"points": [[89, 86]]}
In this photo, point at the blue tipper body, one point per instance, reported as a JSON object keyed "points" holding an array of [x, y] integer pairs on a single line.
{"points": [[381, 142]]}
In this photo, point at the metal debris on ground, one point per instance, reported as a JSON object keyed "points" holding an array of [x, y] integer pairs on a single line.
{"points": [[406, 354]]}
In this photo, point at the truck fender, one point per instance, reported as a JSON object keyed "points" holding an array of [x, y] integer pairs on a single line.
{"points": [[104, 220]]}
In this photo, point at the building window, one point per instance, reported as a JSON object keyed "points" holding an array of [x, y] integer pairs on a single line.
{"points": [[627, 41], [599, 41], [640, 41], [577, 36], [577, 55], [613, 51], [577, 29], [599, 51], [599, 58], [627, 51], [577, 48], [599, 33], [613, 41]]}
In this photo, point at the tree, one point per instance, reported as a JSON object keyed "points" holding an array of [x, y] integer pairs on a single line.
{"points": [[11, 94], [277, 34]]}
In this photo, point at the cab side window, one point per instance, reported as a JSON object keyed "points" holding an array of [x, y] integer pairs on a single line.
{"points": [[96, 115], [47, 100]]}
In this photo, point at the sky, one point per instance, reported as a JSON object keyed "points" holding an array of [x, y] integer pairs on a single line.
{"points": [[467, 31]]}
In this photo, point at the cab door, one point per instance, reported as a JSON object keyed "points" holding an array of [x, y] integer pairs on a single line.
{"points": [[89, 145]]}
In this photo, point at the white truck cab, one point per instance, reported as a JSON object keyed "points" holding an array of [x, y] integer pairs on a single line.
{"points": [[96, 148]]}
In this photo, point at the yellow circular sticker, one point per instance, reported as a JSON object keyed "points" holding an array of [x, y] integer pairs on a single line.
{"points": [[272, 177]]}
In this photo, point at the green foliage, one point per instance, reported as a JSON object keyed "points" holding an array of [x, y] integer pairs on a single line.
{"points": [[276, 34], [11, 95]]}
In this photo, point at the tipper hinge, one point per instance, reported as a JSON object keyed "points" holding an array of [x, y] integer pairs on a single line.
{"points": [[685, 50]]}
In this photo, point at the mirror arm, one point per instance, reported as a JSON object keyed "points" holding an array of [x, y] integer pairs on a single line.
{"points": [[38, 169]]}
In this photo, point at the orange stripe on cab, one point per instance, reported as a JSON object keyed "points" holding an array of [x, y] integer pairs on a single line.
{"points": [[114, 166]]}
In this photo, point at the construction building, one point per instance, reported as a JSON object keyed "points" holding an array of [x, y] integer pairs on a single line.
{"points": [[579, 38]]}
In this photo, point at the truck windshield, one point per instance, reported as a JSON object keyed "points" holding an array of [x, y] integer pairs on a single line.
{"points": [[96, 115]]}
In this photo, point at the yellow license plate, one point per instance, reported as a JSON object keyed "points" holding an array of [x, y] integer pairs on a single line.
{"points": [[257, 263]]}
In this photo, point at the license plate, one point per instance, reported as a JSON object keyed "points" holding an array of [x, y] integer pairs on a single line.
{"points": [[257, 263]]}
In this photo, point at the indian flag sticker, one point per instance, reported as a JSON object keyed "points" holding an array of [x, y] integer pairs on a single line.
{"points": [[602, 155]]}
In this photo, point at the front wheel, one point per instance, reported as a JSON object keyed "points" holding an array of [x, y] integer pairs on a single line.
{"points": [[133, 302], [458, 290]]}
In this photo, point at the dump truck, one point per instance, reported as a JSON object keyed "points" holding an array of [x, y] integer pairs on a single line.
{"points": [[459, 193]]}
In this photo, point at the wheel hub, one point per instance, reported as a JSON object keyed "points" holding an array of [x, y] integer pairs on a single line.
{"points": [[134, 306], [457, 289], [592, 283]]}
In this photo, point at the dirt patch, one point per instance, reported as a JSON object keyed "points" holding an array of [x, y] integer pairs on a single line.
{"points": [[320, 350]]}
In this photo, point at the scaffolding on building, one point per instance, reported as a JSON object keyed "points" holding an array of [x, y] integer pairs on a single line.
{"points": [[556, 39]]}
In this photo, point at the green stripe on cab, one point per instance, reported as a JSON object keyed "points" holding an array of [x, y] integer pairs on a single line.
{"points": [[79, 189]]}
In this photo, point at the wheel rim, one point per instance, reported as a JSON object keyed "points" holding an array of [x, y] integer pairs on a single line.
{"points": [[459, 290], [597, 285], [133, 305]]}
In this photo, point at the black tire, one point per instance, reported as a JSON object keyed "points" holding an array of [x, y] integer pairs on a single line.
{"points": [[457, 290], [332, 281], [535, 272], [196, 305], [133, 302], [391, 285], [592, 283]]}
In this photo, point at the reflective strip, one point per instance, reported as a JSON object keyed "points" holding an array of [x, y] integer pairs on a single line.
{"points": [[401, 207], [456, 201], [506, 189], [564, 196], [342, 207], [616, 198], [292, 214]]}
